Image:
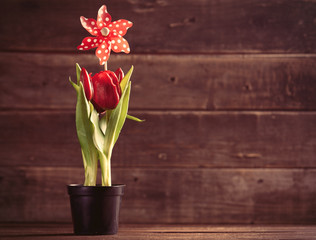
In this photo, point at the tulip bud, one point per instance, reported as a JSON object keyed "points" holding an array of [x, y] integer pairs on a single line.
{"points": [[103, 89], [107, 91], [85, 79], [120, 74]]}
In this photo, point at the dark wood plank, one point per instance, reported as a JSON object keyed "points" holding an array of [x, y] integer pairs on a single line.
{"points": [[160, 195], [166, 26], [167, 139], [231, 82]]}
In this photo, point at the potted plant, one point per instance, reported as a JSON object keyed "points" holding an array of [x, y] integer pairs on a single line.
{"points": [[101, 110]]}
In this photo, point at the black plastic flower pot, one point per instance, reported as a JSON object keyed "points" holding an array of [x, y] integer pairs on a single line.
{"points": [[95, 209]]}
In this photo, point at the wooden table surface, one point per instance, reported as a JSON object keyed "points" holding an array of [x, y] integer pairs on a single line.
{"points": [[64, 231]]}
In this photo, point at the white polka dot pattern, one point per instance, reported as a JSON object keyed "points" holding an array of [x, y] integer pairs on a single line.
{"points": [[89, 43], [121, 26], [90, 25], [104, 18], [103, 52], [119, 44], [113, 41]]}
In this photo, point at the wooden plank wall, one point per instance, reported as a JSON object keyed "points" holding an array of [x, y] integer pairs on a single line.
{"points": [[228, 91]]}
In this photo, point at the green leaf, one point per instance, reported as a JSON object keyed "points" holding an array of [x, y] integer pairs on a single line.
{"points": [[134, 118], [98, 139], [84, 132], [76, 87], [116, 121], [117, 116], [124, 109], [103, 122], [97, 134], [78, 72], [126, 79]]}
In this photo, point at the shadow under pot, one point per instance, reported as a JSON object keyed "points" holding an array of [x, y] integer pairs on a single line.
{"points": [[95, 209]]}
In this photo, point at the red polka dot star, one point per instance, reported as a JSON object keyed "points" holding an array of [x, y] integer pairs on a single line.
{"points": [[108, 35]]}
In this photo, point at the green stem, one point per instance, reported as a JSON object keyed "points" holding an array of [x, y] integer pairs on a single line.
{"points": [[91, 169], [90, 175], [105, 164]]}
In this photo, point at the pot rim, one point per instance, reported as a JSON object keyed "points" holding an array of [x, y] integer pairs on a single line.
{"points": [[98, 185], [79, 189]]}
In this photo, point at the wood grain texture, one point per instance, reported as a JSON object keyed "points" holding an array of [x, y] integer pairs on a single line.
{"points": [[227, 89], [231, 82], [166, 26], [167, 139], [181, 195], [149, 232]]}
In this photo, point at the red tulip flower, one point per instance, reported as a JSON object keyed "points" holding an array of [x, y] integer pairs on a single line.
{"points": [[103, 89], [108, 35]]}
